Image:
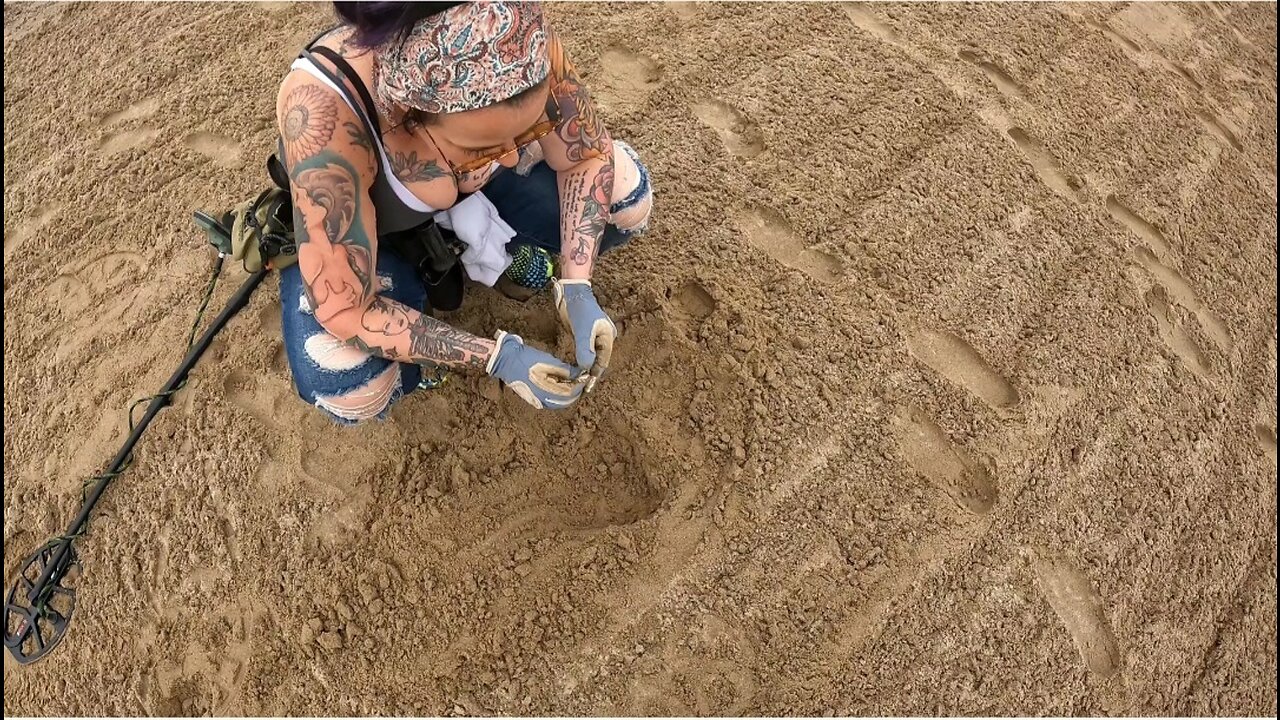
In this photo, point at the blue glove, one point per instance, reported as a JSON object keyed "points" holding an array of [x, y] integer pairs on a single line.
{"points": [[593, 331], [538, 378]]}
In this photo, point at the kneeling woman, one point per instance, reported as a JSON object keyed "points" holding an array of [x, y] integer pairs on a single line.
{"points": [[469, 114]]}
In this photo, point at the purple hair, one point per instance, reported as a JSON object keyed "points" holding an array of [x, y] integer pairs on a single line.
{"points": [[380, 23]]}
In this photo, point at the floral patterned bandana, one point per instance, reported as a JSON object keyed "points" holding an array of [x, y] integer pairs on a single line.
{"points": [[467, 57]]}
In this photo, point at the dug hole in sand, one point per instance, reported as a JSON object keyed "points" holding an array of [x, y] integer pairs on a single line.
{"points": [[946, 385]]}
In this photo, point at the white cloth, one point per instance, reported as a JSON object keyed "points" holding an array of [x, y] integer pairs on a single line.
{"points": [[476, 222]]}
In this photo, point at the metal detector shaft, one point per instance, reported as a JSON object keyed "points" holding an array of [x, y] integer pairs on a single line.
{"points": [[234, 305]]}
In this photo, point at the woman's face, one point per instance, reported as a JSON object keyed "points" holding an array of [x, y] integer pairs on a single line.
{"points": [[464, 136], [385, 318]]}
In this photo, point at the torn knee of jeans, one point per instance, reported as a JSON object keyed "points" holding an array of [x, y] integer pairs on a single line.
{"points": [[366, 402], [630, 213], [330, 354], [631, 216]]}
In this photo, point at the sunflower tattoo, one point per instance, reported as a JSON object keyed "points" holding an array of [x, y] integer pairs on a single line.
{"points": [[309, 119]]}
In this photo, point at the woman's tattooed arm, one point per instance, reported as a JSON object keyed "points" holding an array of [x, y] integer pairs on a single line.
{"points": [[398, 332], [582, 153], [337, 241], [584, 213]]}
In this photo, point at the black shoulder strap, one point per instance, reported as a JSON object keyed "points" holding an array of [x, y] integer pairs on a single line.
{"points": [[317, 38], [366, 100]]}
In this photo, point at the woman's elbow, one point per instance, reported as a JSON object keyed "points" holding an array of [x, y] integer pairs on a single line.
{"points": [[344, 325]]}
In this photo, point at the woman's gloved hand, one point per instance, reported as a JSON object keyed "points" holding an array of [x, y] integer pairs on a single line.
{"points": [[593, 331], [538, 378]]}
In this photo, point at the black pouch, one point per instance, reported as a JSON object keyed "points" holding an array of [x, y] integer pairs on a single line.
{"points": [[433, 252]]}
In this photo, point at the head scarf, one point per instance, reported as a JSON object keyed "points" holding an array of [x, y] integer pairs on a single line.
{"points": [[467, 57]]}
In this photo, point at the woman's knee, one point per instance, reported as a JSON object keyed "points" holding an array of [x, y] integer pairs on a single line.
{"points": [[369, 400], [632, 192], [531, 204], [347, 383]]}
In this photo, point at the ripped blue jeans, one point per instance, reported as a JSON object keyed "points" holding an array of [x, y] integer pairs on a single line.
{"points": [[351, 385]]}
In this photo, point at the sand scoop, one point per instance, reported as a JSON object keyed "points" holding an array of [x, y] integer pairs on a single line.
{"points": [[39, 605]]}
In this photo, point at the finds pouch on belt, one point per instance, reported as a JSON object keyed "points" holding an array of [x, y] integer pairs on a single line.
{"points": [[259, 231], [262, 231]]}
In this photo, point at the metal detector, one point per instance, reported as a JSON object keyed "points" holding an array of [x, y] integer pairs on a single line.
{"points": [[38, 606]]}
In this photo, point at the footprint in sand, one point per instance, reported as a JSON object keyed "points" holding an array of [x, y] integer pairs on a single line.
{"points": [[223, 151], [624, 493], [1079, 606], [269, 323], [948, 466], [44, 214], [870, 24], [1171, 332], [998, 77], [162, 543], [252, 393], [138, 111], [116, 143], [1180, 292], [270, 320], [1225, 17], [1219, 129], [101, 280], [113, 278], [87, 447], [769, 232], [627, 77], [631, 495], [248, 392], [125, 140], [693, 300], [1266, 439], [738, 133], [112, 270], [280, 361], [953, 358], [206, 681], [693, 683], [1045, 165], [686, 11], [72, 294], [325, 456], [1139, 226], [1133, 48]]}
